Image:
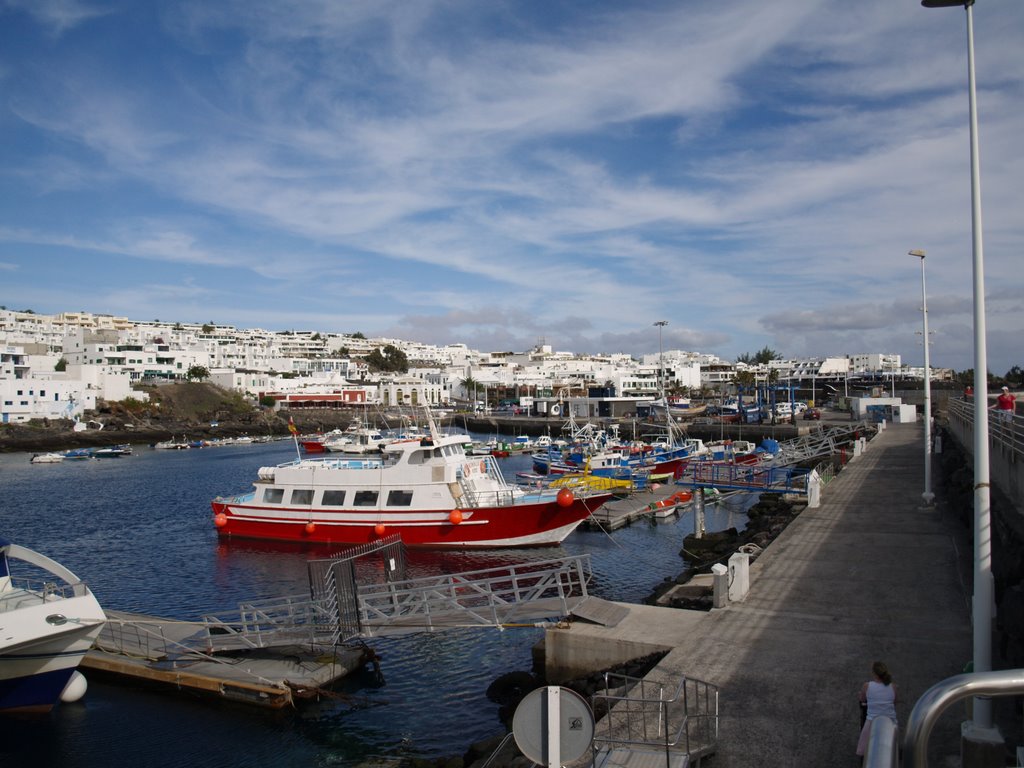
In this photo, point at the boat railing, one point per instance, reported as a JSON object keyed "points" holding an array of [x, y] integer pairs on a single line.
{"points": [[30, 591], [498, 596], [677, 717]]}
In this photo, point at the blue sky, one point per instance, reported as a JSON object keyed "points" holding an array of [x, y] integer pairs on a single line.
{"points": [[502, 173]]}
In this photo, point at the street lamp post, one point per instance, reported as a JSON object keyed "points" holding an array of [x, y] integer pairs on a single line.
{"points": [[661, 368], [928, 496], [982, 604]]}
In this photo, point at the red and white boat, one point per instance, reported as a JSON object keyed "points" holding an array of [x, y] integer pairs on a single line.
{"points": [[427, 491]]}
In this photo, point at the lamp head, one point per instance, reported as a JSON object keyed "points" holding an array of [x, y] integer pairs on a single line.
{"points": [[916, 252], [946, 3]]}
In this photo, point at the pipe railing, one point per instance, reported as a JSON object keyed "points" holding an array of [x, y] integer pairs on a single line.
{"points": [[1006, 434], [943, 694], [883, 744]]}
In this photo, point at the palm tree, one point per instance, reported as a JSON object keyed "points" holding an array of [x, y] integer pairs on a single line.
{"points": [[469, 386]]}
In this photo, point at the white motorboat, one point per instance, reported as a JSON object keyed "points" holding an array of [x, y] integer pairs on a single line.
{"points": [[49, 619], [47, 458]]}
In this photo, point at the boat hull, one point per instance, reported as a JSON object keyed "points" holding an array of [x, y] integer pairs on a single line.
{"points": [[37, 659], [531, 524]]}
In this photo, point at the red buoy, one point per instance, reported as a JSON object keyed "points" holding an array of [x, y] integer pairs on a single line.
{"points": [[379, 529], [310, 526], [565, 498], [455, 516], [220, 520]]}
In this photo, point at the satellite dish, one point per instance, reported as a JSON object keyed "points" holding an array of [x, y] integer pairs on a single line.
{"points": [[553, 725]]}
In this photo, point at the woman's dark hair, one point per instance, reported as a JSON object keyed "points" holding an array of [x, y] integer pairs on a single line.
{"points": [[881, 672]]}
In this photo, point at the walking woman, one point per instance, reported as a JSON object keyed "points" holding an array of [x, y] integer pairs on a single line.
{"points": [[880, 695]]}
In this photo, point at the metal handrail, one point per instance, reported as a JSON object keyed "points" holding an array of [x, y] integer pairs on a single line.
{"points": [[883, 745], [1009, 435], [683, 721], [480, 597], [940, 696]]}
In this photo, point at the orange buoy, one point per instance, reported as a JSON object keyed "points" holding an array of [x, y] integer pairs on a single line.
{"points": [[310, 526], [220, 520], [565, 498], [379, 529], [455, 516], [483, 466]]}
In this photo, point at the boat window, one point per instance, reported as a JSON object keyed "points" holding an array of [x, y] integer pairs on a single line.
{"points": [[302, 496], [334, 498], [273, 495], [399, 498], [365, 499]]}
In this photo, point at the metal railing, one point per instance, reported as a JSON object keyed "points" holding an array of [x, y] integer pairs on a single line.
{"points": [[28, 591], [883, 745], [269, 623], [764, 477], [679, 718], [488, 597], [1007, 434], [943, 694]]}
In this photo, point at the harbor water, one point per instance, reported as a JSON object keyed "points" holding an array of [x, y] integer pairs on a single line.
{"points": [[139, 530]]}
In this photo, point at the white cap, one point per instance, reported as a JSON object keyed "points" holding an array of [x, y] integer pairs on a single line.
{"points": [[1007, 389]]}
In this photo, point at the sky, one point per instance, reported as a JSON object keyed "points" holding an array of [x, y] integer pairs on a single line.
{"points": [[504, 174]]}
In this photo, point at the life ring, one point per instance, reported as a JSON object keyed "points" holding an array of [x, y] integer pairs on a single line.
{"points": [[555, 410]]}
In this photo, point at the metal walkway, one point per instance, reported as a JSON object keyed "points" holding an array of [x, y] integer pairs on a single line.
{"points": [[744, 477], [824, 442], [339, 609], [780, 474], [513, 595]]}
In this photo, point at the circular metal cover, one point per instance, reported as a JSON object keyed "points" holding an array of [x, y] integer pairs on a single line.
{"points": [[575, 725]]}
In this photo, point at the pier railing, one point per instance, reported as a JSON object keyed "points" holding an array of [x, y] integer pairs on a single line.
{"points": [[675, 718], [1005, 434], [1006, 446]]}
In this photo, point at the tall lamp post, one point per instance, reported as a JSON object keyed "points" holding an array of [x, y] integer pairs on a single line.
{"points": [[982, 605], [928, 496], [661, 368]]}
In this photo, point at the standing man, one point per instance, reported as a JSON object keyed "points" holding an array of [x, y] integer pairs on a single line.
{"points": [[1006, 404]]}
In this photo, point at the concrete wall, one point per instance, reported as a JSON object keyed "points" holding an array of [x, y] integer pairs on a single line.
{"points": [[1005, 453]]}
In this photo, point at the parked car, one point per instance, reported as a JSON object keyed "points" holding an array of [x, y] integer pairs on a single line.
{"points": [[812, 413]]}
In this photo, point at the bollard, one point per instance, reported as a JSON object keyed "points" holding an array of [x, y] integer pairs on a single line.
{"points": [[719, 585], [739, 576], [813, 489]]}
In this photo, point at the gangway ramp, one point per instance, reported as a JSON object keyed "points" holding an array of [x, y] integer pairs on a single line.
{"points": [[823, 442], [747, 477], [343, 607], [510, 595]]}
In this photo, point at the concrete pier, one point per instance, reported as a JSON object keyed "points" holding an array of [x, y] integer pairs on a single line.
{"points": [[868, 575]]}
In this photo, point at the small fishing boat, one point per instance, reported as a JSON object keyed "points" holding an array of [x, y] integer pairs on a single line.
{"points": [[574, 480], [50, 619], [428, 491], [173, 445], [78, 454], [111, 452]]}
